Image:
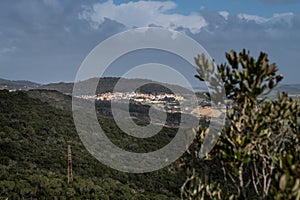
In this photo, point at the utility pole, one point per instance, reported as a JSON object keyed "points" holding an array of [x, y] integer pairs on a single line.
{"points": [[70, 173]]}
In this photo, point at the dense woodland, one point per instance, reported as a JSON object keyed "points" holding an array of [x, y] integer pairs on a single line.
{"points": [[33, 160]]}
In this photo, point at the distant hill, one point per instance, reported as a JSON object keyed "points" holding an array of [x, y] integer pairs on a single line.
{"points": [[289, 88], [17, 85], [107, 84]]}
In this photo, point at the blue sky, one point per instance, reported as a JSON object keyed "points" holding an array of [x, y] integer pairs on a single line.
{"points": [[46, 40]]}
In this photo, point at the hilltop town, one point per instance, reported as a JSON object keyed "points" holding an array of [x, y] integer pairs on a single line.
{"points": [[163, 101]]}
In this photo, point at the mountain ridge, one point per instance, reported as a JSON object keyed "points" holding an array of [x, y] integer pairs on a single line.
{"points": [[17, 84], [109, 82]]}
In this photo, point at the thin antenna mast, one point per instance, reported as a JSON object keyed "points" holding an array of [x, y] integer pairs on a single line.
{"points": [[70, 173]]}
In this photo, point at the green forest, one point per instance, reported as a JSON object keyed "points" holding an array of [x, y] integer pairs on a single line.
{"points": [[33, 160]]}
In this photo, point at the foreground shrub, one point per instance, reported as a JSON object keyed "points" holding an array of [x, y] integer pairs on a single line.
{"points": [[257, 154]]}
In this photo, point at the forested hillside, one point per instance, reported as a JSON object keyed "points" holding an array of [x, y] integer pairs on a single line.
{"points": [[33, 160], [107, 84]]}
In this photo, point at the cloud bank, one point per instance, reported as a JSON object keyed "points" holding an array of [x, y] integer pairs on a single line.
{"points": [[142, 14], [155, 13], [46, 41]]}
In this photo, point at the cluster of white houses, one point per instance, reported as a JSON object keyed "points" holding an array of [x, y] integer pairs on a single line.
{"points": [[135, 96], [168, 102]]}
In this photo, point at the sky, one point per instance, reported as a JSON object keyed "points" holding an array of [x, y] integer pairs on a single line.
{"points": [[47, 40]]}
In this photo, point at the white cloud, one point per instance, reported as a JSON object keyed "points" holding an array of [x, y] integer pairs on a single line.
{"points": [[255, 18], [285, 18], [141, 14], [224, 14], [289, 14], [160, 13]]}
